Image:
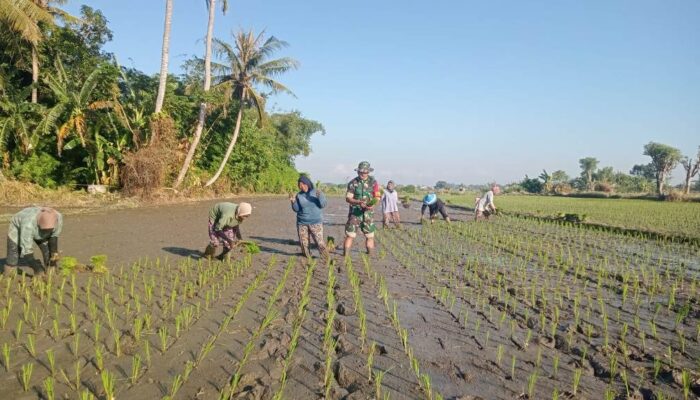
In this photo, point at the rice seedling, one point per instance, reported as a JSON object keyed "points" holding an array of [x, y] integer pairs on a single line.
{"points": [[31, 345], [135, 368], [26, 375], [531, 382], [163, 335], [577, 380], [108, 384], [49, 389], [6, 356]]}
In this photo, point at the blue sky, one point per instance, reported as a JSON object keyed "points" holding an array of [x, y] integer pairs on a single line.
{"points": [[460, 91]]}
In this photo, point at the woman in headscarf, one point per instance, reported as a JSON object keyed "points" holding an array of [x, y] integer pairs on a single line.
{"points": [[40, 225], [224, 226], [390, 205], [308, 204]]}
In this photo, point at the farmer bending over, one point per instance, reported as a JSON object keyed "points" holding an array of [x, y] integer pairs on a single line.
{"points": [[309, 204], [362, 195], [40, 225], [224, 226], [434, 205], [484, 205]]}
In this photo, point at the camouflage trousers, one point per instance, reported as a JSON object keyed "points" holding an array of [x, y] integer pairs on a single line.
{"points": [[314, 231], [362, 221]]}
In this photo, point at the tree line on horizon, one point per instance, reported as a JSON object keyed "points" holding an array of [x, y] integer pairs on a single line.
{"points": [[70, 114]]}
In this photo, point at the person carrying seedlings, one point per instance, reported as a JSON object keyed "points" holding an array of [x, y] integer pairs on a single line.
{"points": [[362, 195], [308, 204], [485, 206], [434, 206], [224, 227], [390, 205], [40, 225]]}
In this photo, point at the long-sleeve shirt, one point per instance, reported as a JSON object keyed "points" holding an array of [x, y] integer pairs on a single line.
{"points": [[486, 201], [24, 229], [308, 206], [223, 215], [390, 201]]}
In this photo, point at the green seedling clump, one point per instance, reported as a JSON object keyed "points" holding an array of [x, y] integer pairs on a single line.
{"points": [[68, 265], [99, 264]]}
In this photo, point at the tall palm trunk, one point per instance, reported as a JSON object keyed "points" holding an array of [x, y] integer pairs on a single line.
{"points": [[35, 74], [229, 150], [203, 106], [165, 54]]}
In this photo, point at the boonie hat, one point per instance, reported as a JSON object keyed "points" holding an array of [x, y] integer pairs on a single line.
{"points": [[364, 167]]}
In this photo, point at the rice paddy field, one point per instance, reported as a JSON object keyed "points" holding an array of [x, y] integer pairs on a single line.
{"points": [[672, 218], [510, 308]]}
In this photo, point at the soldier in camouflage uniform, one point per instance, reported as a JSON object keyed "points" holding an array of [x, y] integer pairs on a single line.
{"points": [[362, 194]]}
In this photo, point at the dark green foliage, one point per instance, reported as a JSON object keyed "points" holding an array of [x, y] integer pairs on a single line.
{"points": [[92, 113]]}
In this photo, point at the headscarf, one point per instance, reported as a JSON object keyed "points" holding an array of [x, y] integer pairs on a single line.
{"points": [[306, 181], [244, 209], [390, 186], [47, 218]]}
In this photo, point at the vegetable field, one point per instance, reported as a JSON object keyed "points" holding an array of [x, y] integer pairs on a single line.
{"points": [[503, 309]]}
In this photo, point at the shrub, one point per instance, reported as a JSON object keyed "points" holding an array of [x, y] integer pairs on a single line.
{"points": [[604, 187], [675, 195], [562, 188]]}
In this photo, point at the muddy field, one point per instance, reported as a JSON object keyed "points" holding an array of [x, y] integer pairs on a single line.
{"points": [[499, 310]]}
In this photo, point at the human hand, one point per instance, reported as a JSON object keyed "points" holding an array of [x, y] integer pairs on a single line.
{"points": [[55, 257]]}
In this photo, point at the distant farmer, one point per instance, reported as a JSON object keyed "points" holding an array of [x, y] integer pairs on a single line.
{"points": [[434, 206], [224, 227], [485, 206], [390, 205], [40, 225], [309, 204], [362, 195]]}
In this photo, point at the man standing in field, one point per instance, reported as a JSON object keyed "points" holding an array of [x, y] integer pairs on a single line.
{"points": [[362, 195], [224, 227], [40, 225], [485, 206], [390, 206]]}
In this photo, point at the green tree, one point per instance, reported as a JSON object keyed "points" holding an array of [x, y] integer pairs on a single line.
{"points": [[248, 66], [588, 167], [211, 4], [691, 169], [559, 176], [664, 158]]}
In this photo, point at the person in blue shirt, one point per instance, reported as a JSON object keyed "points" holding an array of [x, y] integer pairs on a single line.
{"points": [[308, 204]]}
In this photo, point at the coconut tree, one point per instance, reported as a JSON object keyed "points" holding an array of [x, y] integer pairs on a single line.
{"points": [[588, 166], [247, 66], [211, 4], [24, 18], [164, 55]]}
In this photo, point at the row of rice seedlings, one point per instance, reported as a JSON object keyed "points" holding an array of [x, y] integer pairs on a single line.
{"points": [[208, 345], [354, 279], [296, 329], [424, 379], [271, 313], [329, 342]]}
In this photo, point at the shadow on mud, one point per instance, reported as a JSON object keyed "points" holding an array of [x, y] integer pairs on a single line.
{"points": [[277, 241], [181, 251]]}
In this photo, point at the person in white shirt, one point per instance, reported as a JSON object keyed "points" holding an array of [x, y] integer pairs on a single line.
{"points": [[390, 206], [485, 206]]}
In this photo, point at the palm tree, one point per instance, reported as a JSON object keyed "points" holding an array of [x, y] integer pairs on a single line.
{"points": [[207, 84], [165, 55], [248, 66], [24, 17]]}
